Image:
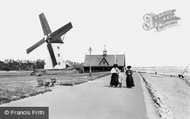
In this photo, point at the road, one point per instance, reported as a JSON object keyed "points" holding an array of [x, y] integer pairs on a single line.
{"points": [[91, 100]]}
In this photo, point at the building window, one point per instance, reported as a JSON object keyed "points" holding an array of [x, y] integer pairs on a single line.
{"points": [[59, 63], [58, 54], [58, 47]]}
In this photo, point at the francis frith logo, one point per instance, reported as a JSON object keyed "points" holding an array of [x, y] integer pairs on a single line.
{"points": [[160, 21]]}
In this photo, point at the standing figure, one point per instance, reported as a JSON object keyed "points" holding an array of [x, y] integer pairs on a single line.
{"points": [[114, 76], [129, 79], [121, 78]]}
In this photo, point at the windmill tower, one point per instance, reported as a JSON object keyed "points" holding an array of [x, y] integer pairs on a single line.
{"points": [[57, 48], [54, 43]]}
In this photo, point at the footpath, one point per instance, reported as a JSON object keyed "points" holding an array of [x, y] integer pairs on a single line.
{"points": [[94, 100]]}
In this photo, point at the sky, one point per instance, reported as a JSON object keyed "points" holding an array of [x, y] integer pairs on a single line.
{"points": [[114, 23]]}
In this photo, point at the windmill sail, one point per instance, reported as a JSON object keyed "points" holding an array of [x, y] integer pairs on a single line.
{"points": [[61, 31], [35, 46], [45, 26], [50, 49]]}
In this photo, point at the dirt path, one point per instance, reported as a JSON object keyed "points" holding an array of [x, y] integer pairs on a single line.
{"points": [[91, 100]]}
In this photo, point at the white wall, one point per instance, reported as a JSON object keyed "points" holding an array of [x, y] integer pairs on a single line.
{"points": [[60, 58]]}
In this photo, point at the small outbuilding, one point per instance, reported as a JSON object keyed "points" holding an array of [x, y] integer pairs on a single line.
{"points": [[101, 63]]}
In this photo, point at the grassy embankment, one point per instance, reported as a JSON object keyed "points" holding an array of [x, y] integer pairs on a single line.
{"points": [[16, 85]]}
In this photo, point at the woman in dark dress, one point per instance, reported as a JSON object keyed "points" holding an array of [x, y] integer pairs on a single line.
{"points": [[129, 79], [114, 77]]}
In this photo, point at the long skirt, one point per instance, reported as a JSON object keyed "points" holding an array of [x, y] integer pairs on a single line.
{"points": [[129, 82], [114, 80]]}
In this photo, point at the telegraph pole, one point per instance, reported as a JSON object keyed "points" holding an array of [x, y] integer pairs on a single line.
{"points": [[90, 72]]}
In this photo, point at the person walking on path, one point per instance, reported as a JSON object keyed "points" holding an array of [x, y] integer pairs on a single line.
{"points": [[129, 79], [114, 77]]}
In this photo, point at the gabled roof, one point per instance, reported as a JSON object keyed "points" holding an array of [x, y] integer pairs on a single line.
{"points": [[100, 60]]}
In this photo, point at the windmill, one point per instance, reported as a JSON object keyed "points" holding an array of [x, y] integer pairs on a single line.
{"points": [[50, 37]]}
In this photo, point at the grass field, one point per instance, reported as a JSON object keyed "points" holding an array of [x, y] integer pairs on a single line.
{"points": [[16, 85]]}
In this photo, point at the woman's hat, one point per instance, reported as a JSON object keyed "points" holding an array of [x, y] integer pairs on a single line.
{"points": [[128, 67], [115, 65]]}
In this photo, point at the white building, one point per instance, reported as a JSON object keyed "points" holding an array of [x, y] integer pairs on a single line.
{"points": [[57, 48]]}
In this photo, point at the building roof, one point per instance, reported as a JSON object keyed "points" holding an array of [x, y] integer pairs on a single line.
{"points": [[100, 60]]}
